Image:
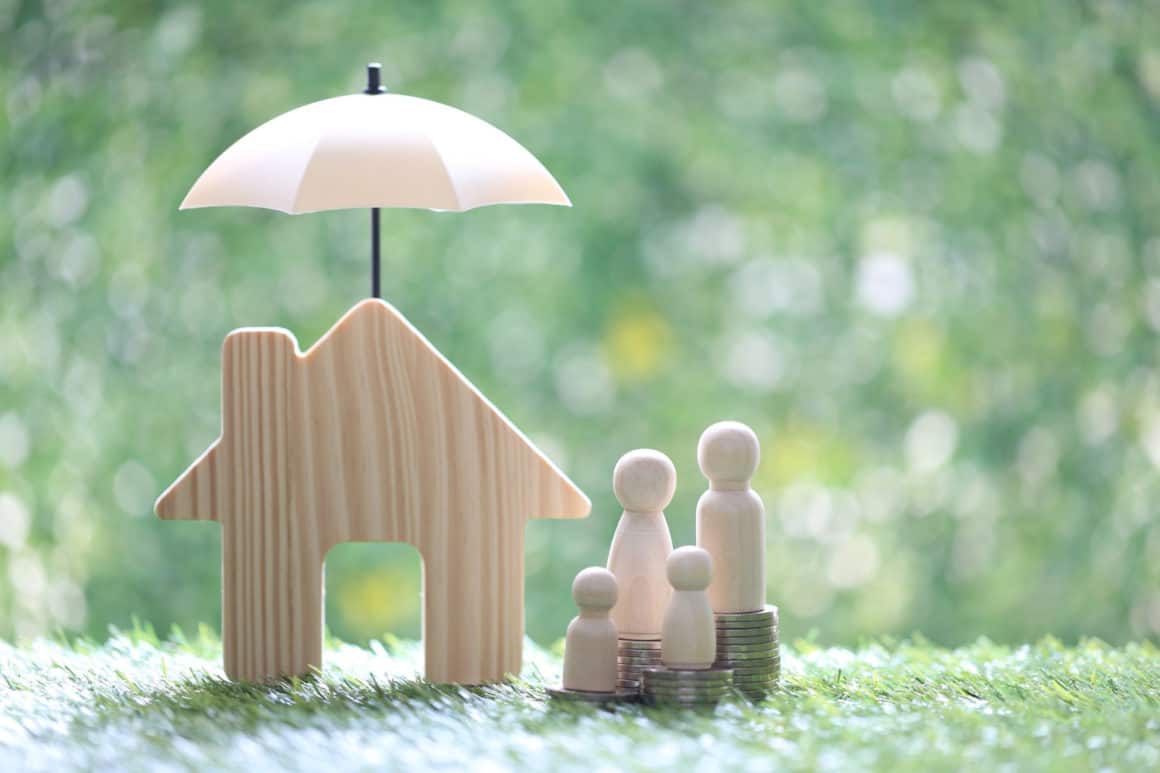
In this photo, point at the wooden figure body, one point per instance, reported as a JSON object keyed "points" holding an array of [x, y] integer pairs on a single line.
{"points": [[590, 646], [644, 482], [731, 517], [689, 639], [371, 435]]}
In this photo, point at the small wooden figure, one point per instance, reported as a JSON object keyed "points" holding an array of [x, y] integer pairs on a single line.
{"points": [[731, 517], [644, 482], [689, 639], [370, 436], [590, 646]]}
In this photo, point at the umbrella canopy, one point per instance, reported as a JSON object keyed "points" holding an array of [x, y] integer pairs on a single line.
{"points": [[374, 150]]}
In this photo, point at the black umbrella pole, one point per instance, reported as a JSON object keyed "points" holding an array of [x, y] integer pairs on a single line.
{"points": [[375, 290], [374, 86]]}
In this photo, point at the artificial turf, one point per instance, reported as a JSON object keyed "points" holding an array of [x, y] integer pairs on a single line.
{"points": [[137, 702]]}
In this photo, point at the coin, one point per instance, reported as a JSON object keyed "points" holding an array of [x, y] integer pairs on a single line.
{"points": [[581, 696], [752, 672], [732, 646], [693, 674], [655, 686], [740, 669], [732, 626], [717, 684], [689, 693], [706, 705], [769, 613], [768, 609], [637, 667], [748, 649], [743, 621], [763, 637], [759, 661], [768, 651], [688, 697], [746, 670], [630, 673], [652, 676], [747, 661], [749, 627], [762, 632], [746, 630], [742, 618]]}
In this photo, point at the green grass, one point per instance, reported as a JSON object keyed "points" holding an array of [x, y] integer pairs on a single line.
{"points": [[139, 702]]}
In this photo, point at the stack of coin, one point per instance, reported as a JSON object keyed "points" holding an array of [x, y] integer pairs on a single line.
{"points": [[747, 643], [632, 657], [687, 689]]}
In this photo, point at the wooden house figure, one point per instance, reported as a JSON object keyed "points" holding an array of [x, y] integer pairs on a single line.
{"points": [[371, 435]]}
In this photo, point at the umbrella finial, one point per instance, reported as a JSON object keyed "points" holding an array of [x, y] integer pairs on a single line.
{"points": [[374, 84]]}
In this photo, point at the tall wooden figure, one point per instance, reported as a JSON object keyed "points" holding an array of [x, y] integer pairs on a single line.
{"points": [[590, 646], [731, 517], [689, 639], [370, 436], [644, 482]]}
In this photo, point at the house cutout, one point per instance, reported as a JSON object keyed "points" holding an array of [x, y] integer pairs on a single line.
{"points": [[371, 435]]}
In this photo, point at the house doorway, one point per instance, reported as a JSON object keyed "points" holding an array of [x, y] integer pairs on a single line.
{"points": [[373, 590]]}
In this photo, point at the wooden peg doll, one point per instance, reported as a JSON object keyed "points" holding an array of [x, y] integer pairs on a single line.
{"points": [[731, 517], [644, 481], [689, 639], [590, 645]]}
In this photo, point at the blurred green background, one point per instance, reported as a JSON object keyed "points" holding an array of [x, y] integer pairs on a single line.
{"points": [[914, 245]]}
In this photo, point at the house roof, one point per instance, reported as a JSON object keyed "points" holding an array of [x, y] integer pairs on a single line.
{"points": [[397, 406]]}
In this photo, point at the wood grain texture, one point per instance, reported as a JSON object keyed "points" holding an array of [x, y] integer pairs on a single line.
{"points": [[370, 436]]}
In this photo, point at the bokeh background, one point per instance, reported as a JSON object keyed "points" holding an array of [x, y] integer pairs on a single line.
{"points": [[915, 245]]}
